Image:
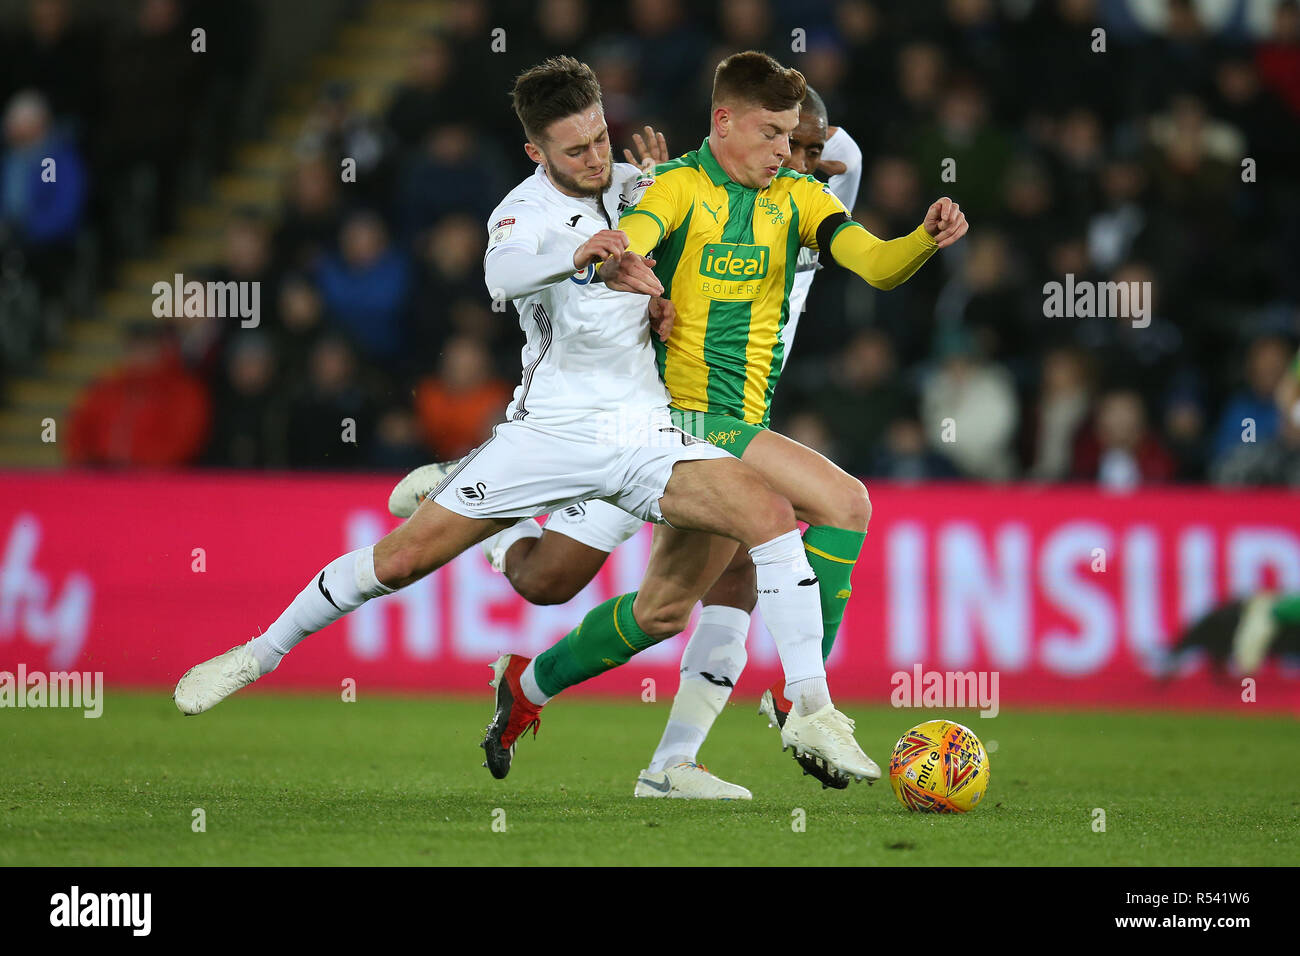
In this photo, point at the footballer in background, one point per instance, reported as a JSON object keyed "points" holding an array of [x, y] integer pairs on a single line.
{"points": [[1240, 635]]}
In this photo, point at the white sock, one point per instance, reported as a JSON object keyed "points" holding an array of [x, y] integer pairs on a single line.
{"points": [[528, 528], [528, 684], [791, 604], [349, 580], [808, 695], [711, 664]]}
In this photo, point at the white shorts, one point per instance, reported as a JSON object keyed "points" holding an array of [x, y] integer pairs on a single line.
{"points": [[595, 523], [526, 470]]}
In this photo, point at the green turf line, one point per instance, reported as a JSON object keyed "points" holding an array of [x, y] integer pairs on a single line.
{"points": [[312, 780]]}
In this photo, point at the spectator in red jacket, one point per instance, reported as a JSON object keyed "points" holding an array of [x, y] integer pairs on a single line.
{"points": [[1278, 57], [149, 412], [1118, 451]]}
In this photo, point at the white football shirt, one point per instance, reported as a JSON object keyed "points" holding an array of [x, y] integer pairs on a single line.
{"points": [[587, 348], [841, 148]]}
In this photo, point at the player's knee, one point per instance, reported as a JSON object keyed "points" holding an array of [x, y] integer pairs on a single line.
{"points": [[852, 505], [662, 621], [402, 565], [769, 515], [544, 585]]}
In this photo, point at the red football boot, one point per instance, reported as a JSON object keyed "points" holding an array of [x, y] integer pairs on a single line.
{"points": [[515, 714]]}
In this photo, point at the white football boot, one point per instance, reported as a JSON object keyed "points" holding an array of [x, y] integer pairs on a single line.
{"points": [[415, 487], [828, 734], [1255, 632], [205, 685], [495, 547], [687, 781]]}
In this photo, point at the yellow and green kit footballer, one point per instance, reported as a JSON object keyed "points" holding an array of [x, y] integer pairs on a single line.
{"points": [[726, 256]]}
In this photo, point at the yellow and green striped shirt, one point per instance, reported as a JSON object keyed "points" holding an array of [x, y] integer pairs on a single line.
{"points": [[726, 255]]}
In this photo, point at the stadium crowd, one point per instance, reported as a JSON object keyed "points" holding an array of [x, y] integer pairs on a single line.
{"points": [[133, 121], [1123, 165]]}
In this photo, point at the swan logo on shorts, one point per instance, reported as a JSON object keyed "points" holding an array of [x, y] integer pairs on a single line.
{"points": [[576, 511], [472, 495]]}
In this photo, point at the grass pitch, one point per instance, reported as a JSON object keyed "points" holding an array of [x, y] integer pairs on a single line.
{"points": [[388, 780]]}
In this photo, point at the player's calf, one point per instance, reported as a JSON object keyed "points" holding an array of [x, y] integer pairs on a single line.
{"points": [[429, 539], [736, 588], [711, 665], [551, 569], [343, 585]]}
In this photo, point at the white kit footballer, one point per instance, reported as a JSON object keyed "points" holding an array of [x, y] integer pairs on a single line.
{"points": [[589, 418]]}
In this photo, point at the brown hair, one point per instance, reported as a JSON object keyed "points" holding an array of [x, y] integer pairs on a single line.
{"points": [[552, 90], [756, 79]]}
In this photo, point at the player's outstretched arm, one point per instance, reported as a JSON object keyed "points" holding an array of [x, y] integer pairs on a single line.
{"points": [[518, 263], [883, 264], [888, 264], [514, 272]]}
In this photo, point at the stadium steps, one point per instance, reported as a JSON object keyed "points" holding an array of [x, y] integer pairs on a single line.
{"points": [[370, 56]]}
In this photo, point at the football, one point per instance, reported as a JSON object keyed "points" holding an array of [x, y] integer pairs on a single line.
{"points": [[939, 767]]}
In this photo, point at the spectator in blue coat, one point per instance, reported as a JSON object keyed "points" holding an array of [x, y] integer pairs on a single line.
{"points": [[366, 288], [1251, 413], [42, 188]]}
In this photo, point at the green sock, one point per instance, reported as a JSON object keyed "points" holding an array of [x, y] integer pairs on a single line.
{"points": [[1287, 609], [832, 552], [607, 637]]}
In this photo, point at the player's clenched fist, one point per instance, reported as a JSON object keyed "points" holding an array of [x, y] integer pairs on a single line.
{"points": [[606, 243], [945, 222]]}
